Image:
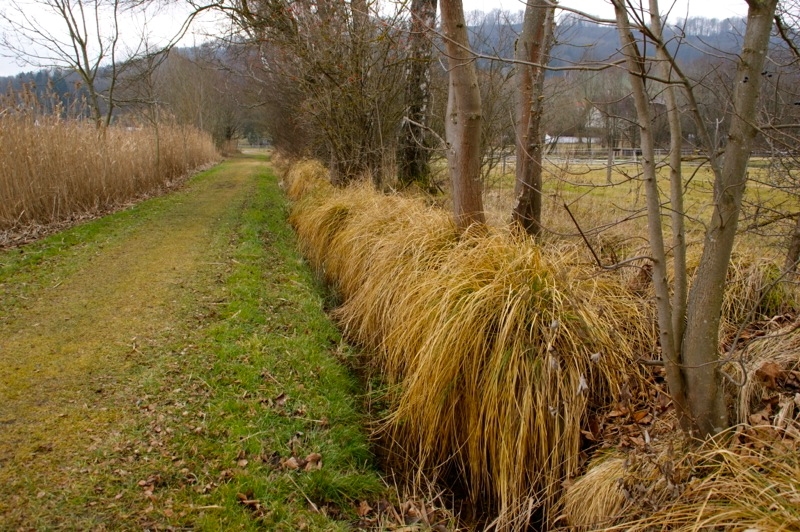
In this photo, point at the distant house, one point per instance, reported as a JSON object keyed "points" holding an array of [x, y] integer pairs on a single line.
{"points": [[607, 129], [569, 145]]}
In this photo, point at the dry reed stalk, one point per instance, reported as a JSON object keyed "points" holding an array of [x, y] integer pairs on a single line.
{"points": [[497, 348], [53, 170]]}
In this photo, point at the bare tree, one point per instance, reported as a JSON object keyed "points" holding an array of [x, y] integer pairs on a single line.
{"points": [[493, 34], [343, 60], [533, 49], [83, 36], [463, 120], [86, 40], [414, 157], [692, 358]]}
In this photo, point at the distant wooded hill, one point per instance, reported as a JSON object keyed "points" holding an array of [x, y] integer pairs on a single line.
{"points": [[580, 41], [577, 41]]}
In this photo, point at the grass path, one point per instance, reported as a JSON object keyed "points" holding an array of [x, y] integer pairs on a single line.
{"points": [[161, 367]]}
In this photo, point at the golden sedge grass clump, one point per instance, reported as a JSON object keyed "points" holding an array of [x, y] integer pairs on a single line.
{"points": [[304, 176], [754, 290], [496, 350], [597, 498], [722, 486], [754, 366], [53, 169]]}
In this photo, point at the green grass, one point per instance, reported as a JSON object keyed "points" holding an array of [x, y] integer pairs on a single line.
{"points": [[275, 389], [274, 325], [243, 371]]}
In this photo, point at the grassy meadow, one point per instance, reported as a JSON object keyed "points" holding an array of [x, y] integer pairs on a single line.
{"points": [[511, 368], [612, 214], [54, 170]]}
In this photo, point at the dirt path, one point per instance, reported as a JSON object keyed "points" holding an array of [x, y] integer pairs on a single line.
{"points": [[74, 352]]}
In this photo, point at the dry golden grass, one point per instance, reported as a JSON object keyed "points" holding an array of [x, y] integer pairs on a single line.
{"points": [[754, 291], [497, 349], [745, 479], [779, 348], [722, 486], [53, 169], [599, 495], [301, 177], [612, 219]]}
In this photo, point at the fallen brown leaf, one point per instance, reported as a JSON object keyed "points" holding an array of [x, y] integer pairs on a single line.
{"points": [[313, 461], [281, 399], [363, 509], [769, 373]]}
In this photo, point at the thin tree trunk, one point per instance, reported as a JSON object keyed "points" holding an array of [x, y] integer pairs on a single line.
{"points": [[701, 342], [414, 153], [637, 70], [463, 122], [680, 283], [533, 46]]}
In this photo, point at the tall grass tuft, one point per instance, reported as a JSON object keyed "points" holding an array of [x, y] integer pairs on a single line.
{"points": [[755, 290], [496, 351], [303, 176], [54, 169], [755, 367]]}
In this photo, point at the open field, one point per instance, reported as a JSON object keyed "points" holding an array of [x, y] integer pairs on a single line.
{"points": [[612, 214]]}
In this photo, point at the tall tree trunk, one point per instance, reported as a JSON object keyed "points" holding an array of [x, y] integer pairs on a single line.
{"points": [[637, 70], [463, 122], [701, 341], [679, 274], [692, 357], [533, 47], [414, 152]]}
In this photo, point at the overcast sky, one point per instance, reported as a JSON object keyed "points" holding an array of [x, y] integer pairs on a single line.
{"points": [[698, 8], [168, 21]]}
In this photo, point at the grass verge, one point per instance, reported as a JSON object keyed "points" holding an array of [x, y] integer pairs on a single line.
{"points": [[228, 410]]}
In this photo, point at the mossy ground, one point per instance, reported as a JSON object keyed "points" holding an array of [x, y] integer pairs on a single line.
{"points": [[157, 366]]}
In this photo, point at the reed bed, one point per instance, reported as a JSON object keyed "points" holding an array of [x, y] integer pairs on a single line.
{"points": [[495, 351], [54, 169]]}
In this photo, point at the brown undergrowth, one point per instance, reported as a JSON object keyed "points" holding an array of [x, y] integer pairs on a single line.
{"points": [[745, 479]]}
